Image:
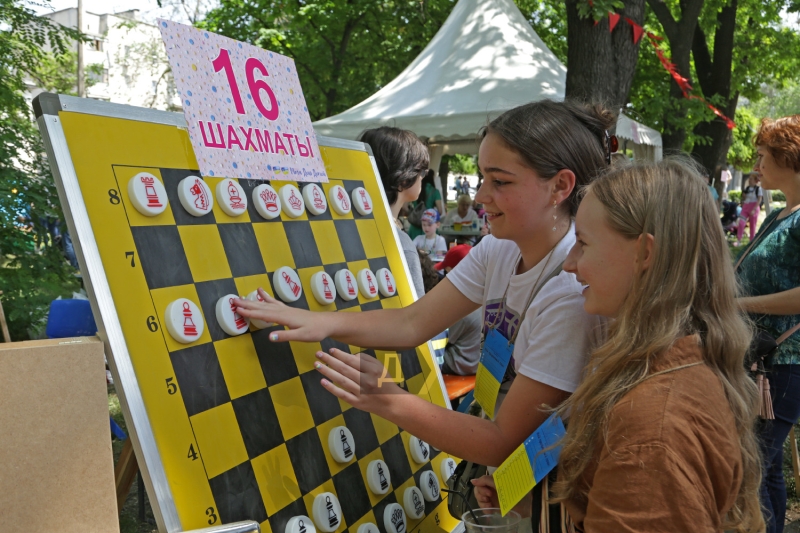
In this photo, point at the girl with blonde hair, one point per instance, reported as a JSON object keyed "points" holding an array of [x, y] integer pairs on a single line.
{"points": [[660, 434]]}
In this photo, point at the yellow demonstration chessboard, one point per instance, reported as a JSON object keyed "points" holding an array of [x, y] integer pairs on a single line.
{"points": [[241, 423]]}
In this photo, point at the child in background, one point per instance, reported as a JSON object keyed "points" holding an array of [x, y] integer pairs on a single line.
{"points": [[430, 242], [751, 207]]}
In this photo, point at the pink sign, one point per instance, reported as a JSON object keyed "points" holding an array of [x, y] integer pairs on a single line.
{"points": [[244, 106]]}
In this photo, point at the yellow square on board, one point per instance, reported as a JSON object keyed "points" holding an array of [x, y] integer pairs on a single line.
{"points": [[219, 439], [239, 362], [384, 429], [327, 239], [276, 479], [278, 185], [305, 279], [219, 215], [265, 527], [363, 463], [391, 303], [204, 251], [391, 362], [325, 487], [163, 297], [247, 284], [291, 407], [369, 517], [327, 187], [370, 238], [324, 430], [305, 355], [274, 245], [135, 218], [416, 386], [414, 465]]}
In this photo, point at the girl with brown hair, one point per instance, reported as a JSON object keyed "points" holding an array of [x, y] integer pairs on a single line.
{"points": [[660, 433]]}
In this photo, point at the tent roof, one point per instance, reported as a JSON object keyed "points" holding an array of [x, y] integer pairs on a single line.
{"points": [[485, 59], [638, 133]]}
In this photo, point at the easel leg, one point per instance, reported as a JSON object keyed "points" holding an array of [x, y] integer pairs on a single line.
{"points": [[3, 325], [125, 473], [795, 459]]}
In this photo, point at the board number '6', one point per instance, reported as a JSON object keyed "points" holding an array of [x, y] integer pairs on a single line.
{"points": [[223, 62]]}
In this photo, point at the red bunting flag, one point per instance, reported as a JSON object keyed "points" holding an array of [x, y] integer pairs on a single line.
{"points": [[638, 31], [613, 18]]}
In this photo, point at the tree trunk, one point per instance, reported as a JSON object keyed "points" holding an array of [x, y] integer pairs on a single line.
{"points": [[601, 64], [715, 76]]}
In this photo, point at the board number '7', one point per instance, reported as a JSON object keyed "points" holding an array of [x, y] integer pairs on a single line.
{"points": [[223, 62]]}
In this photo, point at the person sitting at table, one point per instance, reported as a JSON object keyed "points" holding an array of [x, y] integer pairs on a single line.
{"points": [[464, 214], [429, 241]]}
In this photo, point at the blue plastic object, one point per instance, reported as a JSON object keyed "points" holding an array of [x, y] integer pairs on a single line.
{"points": [[70, 318], [117, 431], [466, 401]]}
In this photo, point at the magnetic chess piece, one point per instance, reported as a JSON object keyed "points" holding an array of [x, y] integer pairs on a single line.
{"points": [[340, 203], [429, 485], [256, 323], [300, 524], [231, 197], [378, 477], [314, 199], [420, 451], [184, 320], [266, 201], [366, 283], [195, 196], [147, 194], [394, 518], [447, 469], [344, 285], [326, 512], [291, 201], [341, 444], [368, 527], [412, 503], [386, 284], [287, 285], [321, 288], [362, 201], [228, 319]]}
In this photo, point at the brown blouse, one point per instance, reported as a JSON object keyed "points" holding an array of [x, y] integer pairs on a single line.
{"points": [[672, 461]]}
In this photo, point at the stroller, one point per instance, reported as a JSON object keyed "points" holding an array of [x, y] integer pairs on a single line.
{"points": [[730, 216]]}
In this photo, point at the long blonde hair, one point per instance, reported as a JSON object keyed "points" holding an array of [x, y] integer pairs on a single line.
{"points": [[689, 288]]}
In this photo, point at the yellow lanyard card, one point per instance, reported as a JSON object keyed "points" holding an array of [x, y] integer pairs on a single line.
{"points": [[492, 367]]}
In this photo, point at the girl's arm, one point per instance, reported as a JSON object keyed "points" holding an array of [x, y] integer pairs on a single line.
{"points": [[440, 206], [780, 303], [393, 328], [363, 382]]}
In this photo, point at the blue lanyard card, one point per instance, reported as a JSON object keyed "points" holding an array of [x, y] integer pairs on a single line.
{"points": [[494, 361]]}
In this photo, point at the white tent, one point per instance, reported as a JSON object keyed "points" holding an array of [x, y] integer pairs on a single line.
{"points": [[646, 141], [484, 60]]}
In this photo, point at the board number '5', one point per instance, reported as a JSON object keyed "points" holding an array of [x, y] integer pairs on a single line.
{"points": [[223, 62]]}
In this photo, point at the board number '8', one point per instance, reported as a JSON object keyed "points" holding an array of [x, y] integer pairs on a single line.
{"points": [[223, 62]]}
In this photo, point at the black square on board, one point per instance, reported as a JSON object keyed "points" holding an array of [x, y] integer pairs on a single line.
{"points": [[300, 303], [372, 306], [350, 240], [258, 422], [360, 425], [237, 496], [276, 358], [172, 177], [160, 252], [323, 404], [302, 243], [278, 521], [308, 460], [429, 506], [340, 303], [349, 186], [378, 263], [380, 507], [409, 362], [327, 343], [200, 378], [326, 215], [394, 453], [210, 292], [248, 186], [241, 248], [352, 493]]}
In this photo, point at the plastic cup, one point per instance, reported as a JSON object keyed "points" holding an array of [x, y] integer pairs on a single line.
{"points": [[457, 226], [490, 520]]}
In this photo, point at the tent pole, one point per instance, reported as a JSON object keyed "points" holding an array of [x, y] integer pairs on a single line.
{"points": [[435, 151]]}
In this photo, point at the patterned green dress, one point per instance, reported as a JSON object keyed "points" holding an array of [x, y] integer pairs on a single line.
{"points": [[774, 266]]}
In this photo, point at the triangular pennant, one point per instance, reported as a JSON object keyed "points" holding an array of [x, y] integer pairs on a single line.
{"points": [[638, 31], [613, 18]]}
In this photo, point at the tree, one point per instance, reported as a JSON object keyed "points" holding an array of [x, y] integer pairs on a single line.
{"points": [[345, 50], [33, 270]]}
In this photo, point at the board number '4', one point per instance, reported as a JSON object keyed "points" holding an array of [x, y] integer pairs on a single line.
{"points": [[192, 454]]}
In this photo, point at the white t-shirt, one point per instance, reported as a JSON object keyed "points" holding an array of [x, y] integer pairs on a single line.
{"points": [[432, 246], [453, 216], [557, 335]]}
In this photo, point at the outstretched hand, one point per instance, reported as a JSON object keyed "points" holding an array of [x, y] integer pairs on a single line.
{"points": [[360, 380], [486, 496], [303, 325]]}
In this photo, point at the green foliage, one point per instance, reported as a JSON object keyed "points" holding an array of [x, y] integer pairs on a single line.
{"points": [[345, 50], [777, 101], [778, 196], [548, 19], [460, 164], [735, 196], [742, 153], [32, 268]]}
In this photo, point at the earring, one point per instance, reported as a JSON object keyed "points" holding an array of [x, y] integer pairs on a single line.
{"points": [[555, 216]]}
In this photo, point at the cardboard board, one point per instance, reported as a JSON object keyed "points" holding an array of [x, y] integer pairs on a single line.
{"points": [[56, 463]]}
